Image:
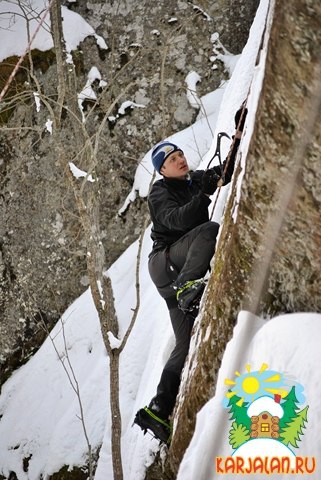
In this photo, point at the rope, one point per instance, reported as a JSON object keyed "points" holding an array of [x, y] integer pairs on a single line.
{"points": [[21, 59]]}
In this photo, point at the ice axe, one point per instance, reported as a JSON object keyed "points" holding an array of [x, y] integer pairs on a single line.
{"points": [[218, 153]]}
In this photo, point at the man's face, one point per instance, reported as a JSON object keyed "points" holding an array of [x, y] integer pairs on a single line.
{"points": [[175, 165]]}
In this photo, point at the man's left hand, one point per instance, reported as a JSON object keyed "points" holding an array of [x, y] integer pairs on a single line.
{"points": [[209, 182], [237, 118]]}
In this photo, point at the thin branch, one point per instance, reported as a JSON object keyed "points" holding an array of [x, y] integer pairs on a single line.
{"points": [[162, 82], [74, 385], [137, 285]]}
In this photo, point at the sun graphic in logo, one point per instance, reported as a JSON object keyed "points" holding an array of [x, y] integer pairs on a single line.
{"points": [[251, 385]]}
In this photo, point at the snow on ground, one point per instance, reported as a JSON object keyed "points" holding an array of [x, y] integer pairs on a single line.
{"points": [[49, 428], [48, 431], [38, 407]]}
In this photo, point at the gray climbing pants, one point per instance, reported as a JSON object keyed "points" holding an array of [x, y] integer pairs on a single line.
{"points": [[187, 259]]}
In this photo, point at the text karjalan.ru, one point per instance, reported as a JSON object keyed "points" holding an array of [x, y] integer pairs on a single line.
{"points": [[265, 465]]}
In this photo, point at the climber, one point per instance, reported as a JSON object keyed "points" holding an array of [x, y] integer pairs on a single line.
{"points": [[183, 245]]}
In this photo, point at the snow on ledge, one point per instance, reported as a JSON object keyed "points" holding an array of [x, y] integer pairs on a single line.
{"points": [[14, 38]]}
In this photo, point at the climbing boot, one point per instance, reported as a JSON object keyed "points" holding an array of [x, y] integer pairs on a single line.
{"points": [[146, 419], [189, 295]]}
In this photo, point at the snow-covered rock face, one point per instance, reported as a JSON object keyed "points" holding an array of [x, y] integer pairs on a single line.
{"points": [[44, 266], [265, 404]]}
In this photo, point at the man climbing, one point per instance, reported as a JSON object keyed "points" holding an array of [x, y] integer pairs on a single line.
{"points": [[183, 245]]}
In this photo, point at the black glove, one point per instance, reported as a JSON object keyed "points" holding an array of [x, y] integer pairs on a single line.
{"points": [[238, 116], [209, 182]]}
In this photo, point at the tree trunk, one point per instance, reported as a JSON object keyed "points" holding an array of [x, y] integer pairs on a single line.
{"points": [[269, 260], [115, 415], [87, 201]]}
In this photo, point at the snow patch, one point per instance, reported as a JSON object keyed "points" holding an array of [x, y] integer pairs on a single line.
{"points": [[191, 80], [37, 101], [14, 39], [48, 125], [77, 173]]}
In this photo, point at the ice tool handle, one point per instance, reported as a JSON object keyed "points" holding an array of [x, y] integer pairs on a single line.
{"points": [[218, 153]]}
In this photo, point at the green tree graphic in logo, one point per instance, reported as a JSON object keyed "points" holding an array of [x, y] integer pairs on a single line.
{"points": [[240, 431], [265, 404], [293, 421]]}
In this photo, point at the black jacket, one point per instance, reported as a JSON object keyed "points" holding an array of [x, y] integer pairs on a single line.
{"points": [[177, 206]]}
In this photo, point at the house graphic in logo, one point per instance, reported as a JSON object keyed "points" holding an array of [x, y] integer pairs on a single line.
{"points": [[265, 414]]}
